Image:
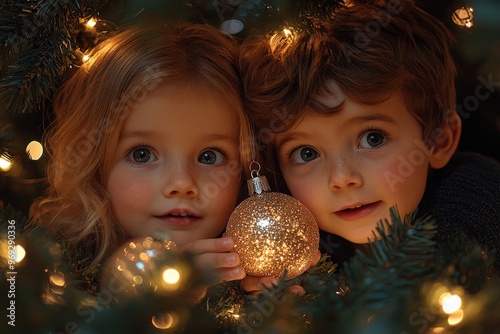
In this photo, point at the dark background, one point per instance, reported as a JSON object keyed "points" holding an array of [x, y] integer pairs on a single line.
{"points": [[477, 55]]}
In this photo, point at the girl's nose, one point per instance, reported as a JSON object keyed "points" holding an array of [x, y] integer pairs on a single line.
{"points": [[180, 181]]}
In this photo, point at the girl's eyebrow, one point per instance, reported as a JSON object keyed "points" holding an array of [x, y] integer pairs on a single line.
{"points": [[133, 134], [219, 137], [151, 134]]}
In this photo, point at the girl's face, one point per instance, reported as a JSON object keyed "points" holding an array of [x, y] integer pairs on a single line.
{"points": [[176, 169], [351, 166]]}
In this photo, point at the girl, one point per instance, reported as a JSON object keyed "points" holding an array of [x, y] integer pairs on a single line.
{"points": [[146, 142]]}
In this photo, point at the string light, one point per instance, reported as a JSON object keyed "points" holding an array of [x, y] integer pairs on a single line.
{"points": [[34, 150], [20, 253], [456, 317], [58, 279], [451, 303], [236, 312], [91, 23], [171, 276], [171, 279], [167, 320], [245, 11], [463, 17], [5, 161]]}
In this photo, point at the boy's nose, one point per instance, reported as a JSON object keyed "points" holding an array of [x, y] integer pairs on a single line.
{"points": [[344, 174], [180, 181]]}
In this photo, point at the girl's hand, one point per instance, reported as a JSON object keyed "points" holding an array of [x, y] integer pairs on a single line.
{"points": [[255, 285], [213, 254]]}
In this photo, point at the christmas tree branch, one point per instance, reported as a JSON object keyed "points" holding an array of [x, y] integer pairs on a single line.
{"points": [[38, 43]]}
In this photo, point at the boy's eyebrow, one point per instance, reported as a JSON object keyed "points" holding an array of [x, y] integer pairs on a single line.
{"points": [[371, 117], [355, 120], [289, 137]]}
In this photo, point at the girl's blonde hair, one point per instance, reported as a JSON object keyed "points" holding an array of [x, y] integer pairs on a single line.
{"points": [[93, 103]]}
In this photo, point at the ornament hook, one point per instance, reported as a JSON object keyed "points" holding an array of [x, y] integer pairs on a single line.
{"points": [[257, 184], [256, 171]]}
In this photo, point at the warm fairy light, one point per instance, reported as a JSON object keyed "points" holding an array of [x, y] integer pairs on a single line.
{"points": [[85, 58], [137, 280], [91, 23], [57, 279], [437, 330], [167, 320], [20, 253], [34, 150], [451, 303], [287, 32], [463, 17], [5, 162], [456, 317], [236, 312], [171, 276]]}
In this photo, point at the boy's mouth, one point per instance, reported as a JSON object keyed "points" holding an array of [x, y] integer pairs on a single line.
{"points": [[357, 211], [353, 208]]}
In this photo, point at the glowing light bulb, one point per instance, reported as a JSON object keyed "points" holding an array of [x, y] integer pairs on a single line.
{"points": [[456, 317], [236, 312], [85, 58], [91, 23], [171, 276], [5, 161], [463, 17], [165, 320], [20, 253], [34, 150], [451, 303], [57, 279]]}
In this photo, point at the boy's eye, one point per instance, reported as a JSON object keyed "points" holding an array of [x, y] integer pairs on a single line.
{"points": [[304, 154], [141, 155], [211, 157], [372, 139]]}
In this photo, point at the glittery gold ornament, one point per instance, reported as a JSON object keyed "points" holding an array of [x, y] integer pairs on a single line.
{"points": [[273, 232], [143, 265]]}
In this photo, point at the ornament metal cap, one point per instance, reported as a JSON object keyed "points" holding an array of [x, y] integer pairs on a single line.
{"points": [[257, 185]]}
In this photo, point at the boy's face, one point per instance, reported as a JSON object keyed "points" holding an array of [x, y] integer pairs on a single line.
{"points": [[176, 168], [351, 166]]}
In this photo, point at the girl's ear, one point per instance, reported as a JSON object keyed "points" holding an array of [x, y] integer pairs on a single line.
{"points": [[446, 141]]}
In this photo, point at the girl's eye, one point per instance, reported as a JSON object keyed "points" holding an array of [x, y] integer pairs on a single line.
{"points": [[372, 139], [211, 157], [304, 154], [141, 155]]}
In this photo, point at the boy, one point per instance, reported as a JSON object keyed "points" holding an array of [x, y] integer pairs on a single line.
{"points": [[360, 116]]}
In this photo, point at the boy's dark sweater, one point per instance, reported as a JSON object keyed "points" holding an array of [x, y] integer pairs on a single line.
{"points": [[463, 197]]}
